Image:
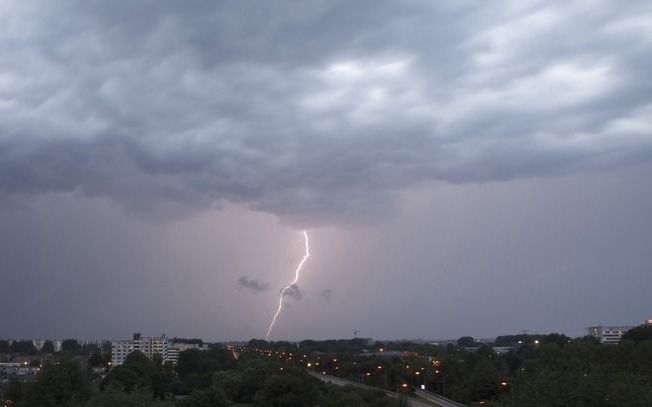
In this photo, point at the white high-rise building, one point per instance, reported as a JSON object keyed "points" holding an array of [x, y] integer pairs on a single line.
{"points": [[149, 346], [120, 350]]}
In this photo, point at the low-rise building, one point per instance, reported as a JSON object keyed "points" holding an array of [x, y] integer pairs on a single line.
{"points": [[608, 334]]}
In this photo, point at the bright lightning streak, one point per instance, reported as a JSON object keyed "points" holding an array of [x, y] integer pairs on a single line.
{"points": [[296, 278]]}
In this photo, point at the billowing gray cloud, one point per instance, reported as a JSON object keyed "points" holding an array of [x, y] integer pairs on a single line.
{"points": [[316, 111], [293, 292], [254, 285]]}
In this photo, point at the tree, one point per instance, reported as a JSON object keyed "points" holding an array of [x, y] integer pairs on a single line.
{"points": [[484, 381], [61, 384], [212, 397], [125, 379], [258, 343], [48, 347], [23, 347], [639, 333], [466, 341], [195, 367], [115, 398], [139, 363], [164, 382], [15, 392], [253, 379], [70, 345], [232, 384], [96, 359], [5, 347], [89, 349], [292, 389], [559, 339]]}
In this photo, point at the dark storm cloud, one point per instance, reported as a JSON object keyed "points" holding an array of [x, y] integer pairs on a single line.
{"points": [[254, 285], [293, 292], [315, 111]]}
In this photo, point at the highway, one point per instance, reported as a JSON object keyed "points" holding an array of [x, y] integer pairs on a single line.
{"points": [[437, 399], [413, 403]]}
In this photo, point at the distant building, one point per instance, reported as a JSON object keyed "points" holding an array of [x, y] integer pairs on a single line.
{"points": [[608, 334], [391, 354], [149, 346], [120, 350], [177, 347], [91, 342], [501, 350], [38, 344], [16, 369]]}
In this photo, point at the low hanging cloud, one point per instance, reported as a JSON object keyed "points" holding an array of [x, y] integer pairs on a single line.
{"points": [[293, 292], [251, 284], [326, 294], [318, 112]]}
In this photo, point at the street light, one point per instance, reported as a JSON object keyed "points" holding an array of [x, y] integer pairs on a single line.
{"points": [[363, 376], [385, 374], [443, 382]]}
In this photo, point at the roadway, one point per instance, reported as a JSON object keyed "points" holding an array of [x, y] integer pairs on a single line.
{"points": [[437, 399], [432, 398]]}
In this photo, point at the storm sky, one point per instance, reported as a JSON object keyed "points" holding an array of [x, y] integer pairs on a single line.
{"points": [[462, 168]]}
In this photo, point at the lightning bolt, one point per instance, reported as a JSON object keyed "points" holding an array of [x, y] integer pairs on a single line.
{"points": [[297, 272]]}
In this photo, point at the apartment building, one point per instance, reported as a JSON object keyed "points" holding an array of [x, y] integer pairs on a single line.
{"points": [[608, 334], [149, 346]]}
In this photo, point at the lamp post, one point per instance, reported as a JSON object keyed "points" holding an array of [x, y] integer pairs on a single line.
{"points": [[443, 383], [418, 373], [362, 377], [385, 374]]}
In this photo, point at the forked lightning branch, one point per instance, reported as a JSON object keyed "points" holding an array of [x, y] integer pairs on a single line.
{"points": [[297, 273]]}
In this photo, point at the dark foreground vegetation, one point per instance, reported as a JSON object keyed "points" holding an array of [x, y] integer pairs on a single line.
{"points": [[526, 370], [213, 378], [536, 371]]}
